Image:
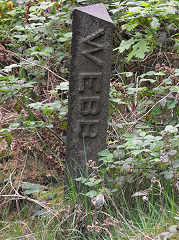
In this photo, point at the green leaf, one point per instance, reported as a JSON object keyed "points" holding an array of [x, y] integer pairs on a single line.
{"points": [[148, 102], [172, 105], [150, 73], [31, 191], [177, 72], [155, 154], [49, 125], [155, 23], [163, 102], [81, 179], [173, 229], [138, 35], [125, 45], [14, 126], [104, 153], [129, 26], [168, 175], [4, 89], [33, 8], [46, 51], [156, 160], [139, 50], [146, 5], [171, 129], [93, 182], [41, 212], [117, 100], [148, 80], [133, 90], [29, 85], [156, 110], [65, 37], [176, 164], [140, 193], [109, 158], [136, 152], [31, 188], [27, 185], [134, 9], [128, 74], [63, 86], [36, 105], [19, 28], [80, 1], [21, 38], [91, 194], [142, 134], [9, 68]]}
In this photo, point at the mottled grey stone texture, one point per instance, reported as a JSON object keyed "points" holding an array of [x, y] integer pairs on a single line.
{"points": [[91, 50]]}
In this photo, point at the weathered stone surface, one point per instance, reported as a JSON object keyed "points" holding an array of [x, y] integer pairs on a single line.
{"points": [[91, 51]]}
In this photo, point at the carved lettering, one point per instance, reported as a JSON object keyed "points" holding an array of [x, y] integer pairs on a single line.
{"points": [[89, 81], [88, 128], [90, 41], [90, 105]]}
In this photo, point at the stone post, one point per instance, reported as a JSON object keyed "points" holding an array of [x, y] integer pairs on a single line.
{"points": [[92, 33]]}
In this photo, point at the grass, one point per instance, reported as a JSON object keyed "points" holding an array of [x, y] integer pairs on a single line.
{"points": [[71, 215]]}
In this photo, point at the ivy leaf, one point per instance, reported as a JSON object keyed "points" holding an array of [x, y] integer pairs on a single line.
{"points": [[155, 23], [139, 50]]}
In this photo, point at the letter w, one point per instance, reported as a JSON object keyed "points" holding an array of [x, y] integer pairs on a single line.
{"points": [[96, 46]]}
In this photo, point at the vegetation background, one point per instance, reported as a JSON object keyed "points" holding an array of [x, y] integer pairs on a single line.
{"points": [[132, 192]]}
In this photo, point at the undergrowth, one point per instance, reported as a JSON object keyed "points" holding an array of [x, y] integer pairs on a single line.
{"points": [[132, 191]]}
